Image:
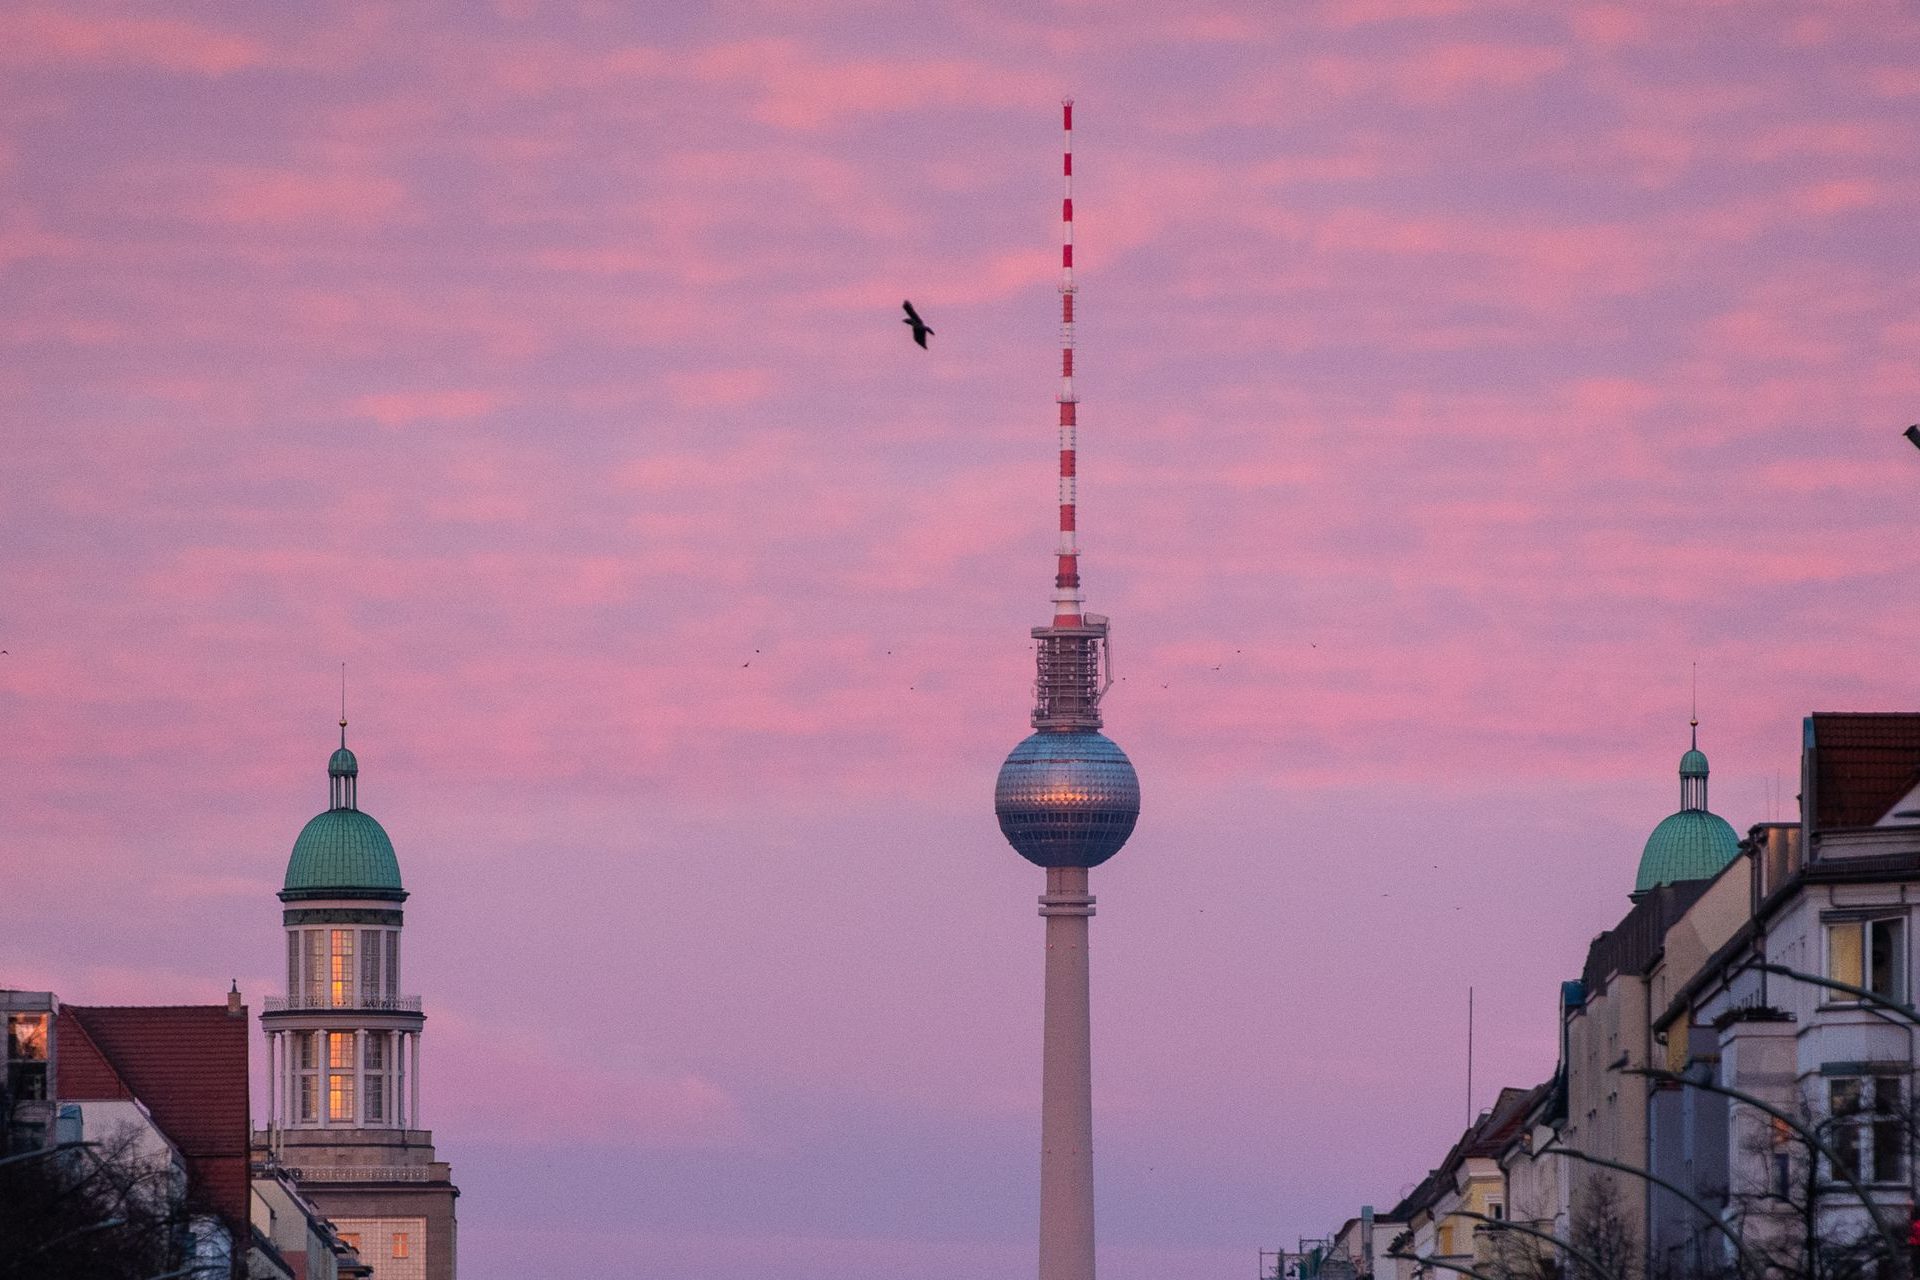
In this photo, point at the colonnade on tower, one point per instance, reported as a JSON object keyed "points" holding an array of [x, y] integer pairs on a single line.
{"points": [[343, 1046]]}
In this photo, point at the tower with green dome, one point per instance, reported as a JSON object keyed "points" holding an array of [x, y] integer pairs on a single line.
{"points": [[1694, 843], [343, 1044]]}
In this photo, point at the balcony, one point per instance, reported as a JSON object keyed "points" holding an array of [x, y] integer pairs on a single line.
{"points": [[364, 1173], [322, 1003]]}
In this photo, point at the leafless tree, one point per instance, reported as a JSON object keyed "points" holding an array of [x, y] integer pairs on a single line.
{"points": [[96, 1211]]}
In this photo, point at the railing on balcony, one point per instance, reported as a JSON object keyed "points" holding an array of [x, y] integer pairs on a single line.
{"points": [[303, 1003], [363, 1173]]}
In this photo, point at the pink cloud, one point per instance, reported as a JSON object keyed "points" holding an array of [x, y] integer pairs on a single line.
{"points": [[285, 196], [52, 37], [1440, 73], [579, 1100], [410, 408]]}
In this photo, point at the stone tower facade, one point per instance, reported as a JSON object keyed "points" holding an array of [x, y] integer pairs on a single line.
{"points": [[343, 1047]]}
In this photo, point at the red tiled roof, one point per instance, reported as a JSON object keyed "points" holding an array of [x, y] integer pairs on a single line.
{"points": [[188, 1064], [1863, 763]]}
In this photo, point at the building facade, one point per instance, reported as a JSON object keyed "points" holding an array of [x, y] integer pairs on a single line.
{"points": [[1806, 1016], [343, 1048]]}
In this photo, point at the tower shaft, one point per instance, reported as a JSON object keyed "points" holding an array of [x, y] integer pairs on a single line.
{"points": [[1066, 1088]]}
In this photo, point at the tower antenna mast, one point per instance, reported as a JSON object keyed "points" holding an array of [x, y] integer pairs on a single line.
{"points": [[1067, 600], [1067, 799]]}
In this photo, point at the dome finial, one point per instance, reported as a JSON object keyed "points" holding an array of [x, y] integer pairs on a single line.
{"points": [[1692, 707], [343, 771]]}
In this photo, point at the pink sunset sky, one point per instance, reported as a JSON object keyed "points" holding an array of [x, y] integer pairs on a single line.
{"points": [[1456, 374]]}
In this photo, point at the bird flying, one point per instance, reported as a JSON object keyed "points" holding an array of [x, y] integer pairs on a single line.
{"points": [[920, 330]]}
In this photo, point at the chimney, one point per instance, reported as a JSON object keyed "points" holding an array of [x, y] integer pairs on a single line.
{"points": [[234, 1008]]}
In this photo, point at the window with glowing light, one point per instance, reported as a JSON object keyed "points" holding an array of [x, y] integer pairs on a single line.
{"points": [[342, 976], [27, 1055], [340, 1071], [1870, 954]]}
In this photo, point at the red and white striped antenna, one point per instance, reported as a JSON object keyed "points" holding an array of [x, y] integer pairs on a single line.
{"points": [[1066, 584], [1075, 668]]}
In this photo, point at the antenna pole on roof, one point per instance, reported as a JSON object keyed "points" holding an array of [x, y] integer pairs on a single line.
{"points": [[1469, 1057]]}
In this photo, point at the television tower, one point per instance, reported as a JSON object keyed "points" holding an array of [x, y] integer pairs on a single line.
{"points": [[1067, 798]]}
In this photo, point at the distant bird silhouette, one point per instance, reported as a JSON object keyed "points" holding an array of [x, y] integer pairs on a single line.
{"points": [[920, 330], [1912, 433]]}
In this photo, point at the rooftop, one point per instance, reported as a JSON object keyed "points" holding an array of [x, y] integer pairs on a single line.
{"points": [[187, 1064]]}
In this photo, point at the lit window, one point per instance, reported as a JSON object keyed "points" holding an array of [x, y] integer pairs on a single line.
{"points": [[340, 1075], [351, 1239], [1868, 1133], [340, 1049], [1869, 954], [400, 1244], [340, 1097], [27, 1055], [342, 968]]}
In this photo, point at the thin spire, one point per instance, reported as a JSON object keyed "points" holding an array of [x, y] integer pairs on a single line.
{"points": [[343, 704], [1693, 716], [1066, 582]]}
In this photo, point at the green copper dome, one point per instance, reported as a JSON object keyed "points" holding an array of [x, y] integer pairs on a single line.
{"points": [[342, 853], [1694, 763], [1690, 845]]}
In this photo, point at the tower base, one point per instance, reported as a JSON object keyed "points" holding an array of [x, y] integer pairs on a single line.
{"points": [[381, 1188]]}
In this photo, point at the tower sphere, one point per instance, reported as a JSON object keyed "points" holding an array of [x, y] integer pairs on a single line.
{"points": [[1067, 798]]}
